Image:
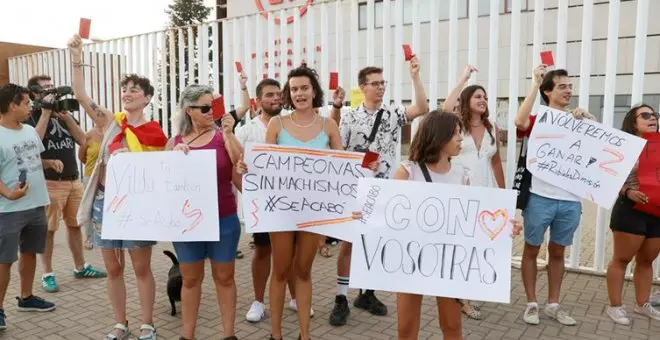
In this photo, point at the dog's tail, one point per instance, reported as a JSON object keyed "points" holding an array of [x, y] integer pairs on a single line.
{"points": [[171, 256]]}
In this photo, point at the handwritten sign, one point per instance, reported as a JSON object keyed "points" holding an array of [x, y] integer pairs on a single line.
{"points": [[299, 189], [435, 239], [649, 174], [161, 196], [583, 157]]}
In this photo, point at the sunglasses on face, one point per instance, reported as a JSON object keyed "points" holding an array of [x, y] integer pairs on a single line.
{"points": [[649, 115], [202, 108]]}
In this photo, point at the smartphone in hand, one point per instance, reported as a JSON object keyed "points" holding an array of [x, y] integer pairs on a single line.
{"points": [[22, 178]]}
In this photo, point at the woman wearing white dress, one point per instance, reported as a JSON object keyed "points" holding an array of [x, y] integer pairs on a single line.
{"points": [[480, 152]]}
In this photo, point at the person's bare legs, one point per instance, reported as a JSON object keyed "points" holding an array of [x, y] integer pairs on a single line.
{"points": [[75, 239], [141, 258], [625, 247], [192, 275], [529, 270], [260, 271], [114, 265], [449, 317], [282, 244], [409, 309], [225, 286], [5, 277], [47, 256], [27, 266], [643, 274], [555, 271], [306, 249]]}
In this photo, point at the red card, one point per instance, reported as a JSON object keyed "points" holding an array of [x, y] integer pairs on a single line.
{"points": [[218, 107], [239, 67], [407, 52], [547, 59], [253, 104], [114, 147], [369, 157], [85, 25], [334, 80]]}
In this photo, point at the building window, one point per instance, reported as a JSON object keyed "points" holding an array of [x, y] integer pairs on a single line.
{"points": [[423, 11]]}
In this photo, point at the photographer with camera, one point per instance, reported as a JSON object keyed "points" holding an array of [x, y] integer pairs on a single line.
{"points": [[60, 133]]}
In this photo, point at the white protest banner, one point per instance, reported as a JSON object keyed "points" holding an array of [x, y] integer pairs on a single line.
{"points": [[581, 156], [435, 239], [300, 189], [161, 196]]}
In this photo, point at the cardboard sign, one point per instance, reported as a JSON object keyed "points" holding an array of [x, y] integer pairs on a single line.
{"points": [[547, 59], [84, 29], [161, 196], [434, 239], [581, 156], [218, 107], [301, 189], [648, 173], [334, 80]]}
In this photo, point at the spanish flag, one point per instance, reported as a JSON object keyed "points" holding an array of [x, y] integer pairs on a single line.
{"points": [[146, 137]]}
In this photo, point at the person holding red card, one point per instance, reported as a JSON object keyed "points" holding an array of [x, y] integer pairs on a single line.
{"points": [[480, 152], [304, 127], [636, 234], [374, 128], [197, 131], [126, 131]]}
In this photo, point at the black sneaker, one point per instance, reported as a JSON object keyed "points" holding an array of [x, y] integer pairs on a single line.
{"points": [[34, 304], [369, 302], [3, 320], [339, 314]]}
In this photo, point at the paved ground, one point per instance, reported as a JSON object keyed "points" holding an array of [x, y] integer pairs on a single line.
{"points": [[83, 311]]}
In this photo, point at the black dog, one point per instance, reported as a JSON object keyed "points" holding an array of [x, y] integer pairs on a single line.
{"points": [[174, 281]]}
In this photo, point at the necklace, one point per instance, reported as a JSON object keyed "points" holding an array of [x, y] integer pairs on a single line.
{"points": [[200, 135], [303, 126]]}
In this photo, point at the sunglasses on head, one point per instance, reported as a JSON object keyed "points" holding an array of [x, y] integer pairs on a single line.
{"points": [[649, 115], [203, 108]]}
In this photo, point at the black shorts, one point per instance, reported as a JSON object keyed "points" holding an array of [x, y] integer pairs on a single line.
{"points": [[628, 220], [261, 239]]}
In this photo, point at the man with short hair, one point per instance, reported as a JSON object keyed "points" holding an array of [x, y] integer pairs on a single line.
{"points": [[60, 133], [373, 126], [548, 205], [269, 104], [23, 196]]}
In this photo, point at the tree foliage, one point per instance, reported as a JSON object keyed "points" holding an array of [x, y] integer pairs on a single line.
{"points": [[187, 12]]}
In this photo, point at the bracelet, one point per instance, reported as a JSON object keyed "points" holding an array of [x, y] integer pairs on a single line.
{"points": [[625, 192], [79, 65], [243, 88], [337, 107]]}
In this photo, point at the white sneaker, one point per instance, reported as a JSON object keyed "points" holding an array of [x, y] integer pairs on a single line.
{"points": [[562, 316], [648, 310], [531, 315], [655, 299], [618, 314], [294, 307], [256, 313]]}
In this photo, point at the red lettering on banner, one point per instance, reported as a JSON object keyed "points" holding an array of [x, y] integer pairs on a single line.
{"points": [[649, 174], [301, 10]]}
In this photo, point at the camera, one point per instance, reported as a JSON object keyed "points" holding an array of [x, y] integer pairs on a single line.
{"points": [[60, 104]]}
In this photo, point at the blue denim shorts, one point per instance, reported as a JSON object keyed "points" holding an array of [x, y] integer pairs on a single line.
{"points": [[563, 218], [223, 251], [97, 222]]}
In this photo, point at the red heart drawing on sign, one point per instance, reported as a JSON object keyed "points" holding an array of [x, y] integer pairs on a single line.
{"points": [[495, 223]]}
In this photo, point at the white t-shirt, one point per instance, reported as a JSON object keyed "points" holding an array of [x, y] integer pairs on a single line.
{"points": [[457, 174], [252, 132]]}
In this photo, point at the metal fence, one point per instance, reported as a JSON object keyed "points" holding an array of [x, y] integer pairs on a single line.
{"points": [[329, 36]]}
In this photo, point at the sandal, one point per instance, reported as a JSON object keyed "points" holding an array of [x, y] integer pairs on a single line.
{"points": [[124, 332], [324, 250], [474, 314], [239, 254], [149, 336]]}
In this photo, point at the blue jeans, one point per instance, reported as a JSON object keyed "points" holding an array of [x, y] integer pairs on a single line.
{"points": [[97, 222], [563, 218], [223, 251]]}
